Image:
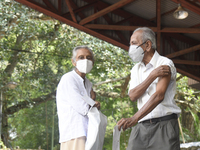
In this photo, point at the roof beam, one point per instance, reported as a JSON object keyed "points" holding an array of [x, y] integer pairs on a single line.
{"points": [[71, 23], [50, 6], [70, 10], [74, 6], [131, 28], [188, 74], [182, 38], [158, 21], [186, 62], [119, 34], [163, 14], [79, 9], [60, 6], [105, 11], [185, 51]]}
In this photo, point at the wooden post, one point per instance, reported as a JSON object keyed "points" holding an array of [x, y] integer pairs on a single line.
{"points": [[181, 130]]}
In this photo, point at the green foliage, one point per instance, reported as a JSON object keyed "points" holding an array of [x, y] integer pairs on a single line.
{"points": [[189, 100]]}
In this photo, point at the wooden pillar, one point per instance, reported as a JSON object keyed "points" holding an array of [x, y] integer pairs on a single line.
{"points": [[158, 18]]}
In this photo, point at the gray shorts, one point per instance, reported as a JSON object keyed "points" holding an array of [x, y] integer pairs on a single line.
{"points": [[162, 135]]}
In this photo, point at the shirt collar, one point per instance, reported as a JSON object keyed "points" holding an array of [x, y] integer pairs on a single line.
{"points": [[152, 61], [154, 58]]}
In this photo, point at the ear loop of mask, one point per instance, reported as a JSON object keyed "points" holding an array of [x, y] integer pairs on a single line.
{"points": [[141, 45]]}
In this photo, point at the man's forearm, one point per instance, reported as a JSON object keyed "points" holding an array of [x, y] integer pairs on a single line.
{"points": [[139, 90], [154, 100]]}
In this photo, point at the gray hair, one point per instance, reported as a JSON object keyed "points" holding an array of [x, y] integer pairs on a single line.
{"points": [[147, 34], [74, 52]]}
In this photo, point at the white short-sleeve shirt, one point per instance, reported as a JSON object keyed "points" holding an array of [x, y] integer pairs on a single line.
{"points": [[71, 107], [140, 72]]}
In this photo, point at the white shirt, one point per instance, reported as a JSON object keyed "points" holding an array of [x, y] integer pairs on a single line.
{"points": [[71, 107], [140, 72]]}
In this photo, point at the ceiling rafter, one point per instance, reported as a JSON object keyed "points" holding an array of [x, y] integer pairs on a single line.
{"points": [[132, 28], [74, 6], [60, 7], [185, 51], [105, 11], [175, 48], [182, 38], [188, 74], [163, 14], [186, 62], [70, 10], [196, 26], [49, 5], [71, 23], [119, 34], [158, 21], [79, 9]]}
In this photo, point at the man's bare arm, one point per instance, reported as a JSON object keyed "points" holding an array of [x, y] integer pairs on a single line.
{"points": [[154, 100], [139, 90]]}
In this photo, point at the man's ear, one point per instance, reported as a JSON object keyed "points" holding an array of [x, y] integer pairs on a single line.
{"points": [[148, 45], [73, 63]]}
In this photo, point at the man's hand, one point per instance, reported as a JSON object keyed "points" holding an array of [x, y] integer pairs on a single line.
{"points": [[126, 123], [160, 71], [97, 105]]}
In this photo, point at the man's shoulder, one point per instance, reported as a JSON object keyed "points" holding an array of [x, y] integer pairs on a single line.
{"points": [[162, 60]]}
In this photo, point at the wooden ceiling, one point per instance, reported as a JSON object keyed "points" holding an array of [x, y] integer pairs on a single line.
{"points": [[114, 21]]}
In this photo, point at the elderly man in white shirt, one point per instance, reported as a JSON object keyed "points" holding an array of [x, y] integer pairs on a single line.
{"points": [[71, 107], [153, 85]]}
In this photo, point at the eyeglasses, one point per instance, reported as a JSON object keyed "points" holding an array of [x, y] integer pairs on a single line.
{"points": [[141, 44]]}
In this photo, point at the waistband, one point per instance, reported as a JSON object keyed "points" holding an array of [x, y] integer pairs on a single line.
{"points": [[155, 120]]}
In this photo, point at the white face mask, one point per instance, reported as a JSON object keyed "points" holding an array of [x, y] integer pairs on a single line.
{"points": [[84, 66], [136, 53]]}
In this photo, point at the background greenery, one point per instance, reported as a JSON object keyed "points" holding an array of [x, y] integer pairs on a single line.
{"points": [[35, 51]]}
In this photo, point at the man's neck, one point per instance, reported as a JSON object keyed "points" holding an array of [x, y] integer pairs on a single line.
{"points": [[147, 58]]}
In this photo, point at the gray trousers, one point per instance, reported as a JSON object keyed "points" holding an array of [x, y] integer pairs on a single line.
{"points": [[162, 135]]}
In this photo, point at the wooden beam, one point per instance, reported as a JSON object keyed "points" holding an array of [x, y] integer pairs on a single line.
{"points": [[181, 30], [109, 21], [186, 73], [182, 38], [158, 21], [79, 9], [71, 11], [73, 24], [105, 11], [186, 62], [195, 26], [163, 14], [50, 6], [60, 6], [185, 51], [115, 27], [131, 28]]}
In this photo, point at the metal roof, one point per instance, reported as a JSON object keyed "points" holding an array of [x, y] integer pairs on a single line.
{"points": [[115, 20]]}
